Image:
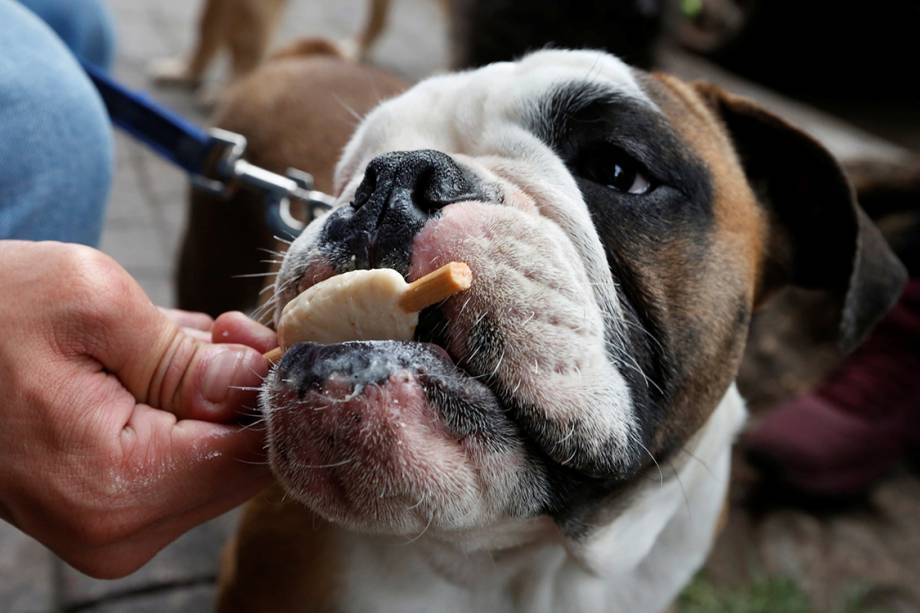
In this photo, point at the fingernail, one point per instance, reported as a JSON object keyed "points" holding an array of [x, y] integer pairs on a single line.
{"points": [[221, 371]]}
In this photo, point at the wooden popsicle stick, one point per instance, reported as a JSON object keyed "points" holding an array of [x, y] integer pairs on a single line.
{"points": [[434, 287], [274, 356]]}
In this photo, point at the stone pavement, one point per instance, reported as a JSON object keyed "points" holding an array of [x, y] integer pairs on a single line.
{"points": [[145, 218]]}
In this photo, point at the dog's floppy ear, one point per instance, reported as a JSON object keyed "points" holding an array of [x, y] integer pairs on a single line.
{"points": [[819, 236]]}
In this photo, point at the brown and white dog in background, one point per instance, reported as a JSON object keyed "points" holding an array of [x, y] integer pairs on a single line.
{"points": [[558, 438]]}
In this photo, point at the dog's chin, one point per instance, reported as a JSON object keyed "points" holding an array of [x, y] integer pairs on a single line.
{"points": [[389, 437]]}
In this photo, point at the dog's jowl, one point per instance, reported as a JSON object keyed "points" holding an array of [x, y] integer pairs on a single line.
{"points": [[558, 437]]}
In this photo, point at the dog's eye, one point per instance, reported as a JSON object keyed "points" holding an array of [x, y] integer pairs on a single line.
{"points": [[613, 168]]}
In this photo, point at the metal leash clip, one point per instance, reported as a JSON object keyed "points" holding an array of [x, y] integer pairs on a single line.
{"points": [[282, 192]]}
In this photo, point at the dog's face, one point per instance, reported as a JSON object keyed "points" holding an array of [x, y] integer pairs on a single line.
{"points": [[618, 251]]}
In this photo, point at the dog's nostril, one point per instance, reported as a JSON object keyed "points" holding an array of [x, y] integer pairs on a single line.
{"points": [[365, 190], [426, 195], [431, 179]]}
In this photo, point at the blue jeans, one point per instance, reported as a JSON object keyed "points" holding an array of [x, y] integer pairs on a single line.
{"points": [[55, 136]]}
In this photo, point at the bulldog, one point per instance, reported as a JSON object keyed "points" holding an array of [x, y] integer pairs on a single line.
{"points": [[558, 437]]}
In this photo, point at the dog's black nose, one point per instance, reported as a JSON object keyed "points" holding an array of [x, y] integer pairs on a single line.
{"points": [[400, 192]]}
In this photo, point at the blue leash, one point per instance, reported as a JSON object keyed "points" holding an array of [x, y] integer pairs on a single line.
{"points": [[172, 137], [213, 159]]}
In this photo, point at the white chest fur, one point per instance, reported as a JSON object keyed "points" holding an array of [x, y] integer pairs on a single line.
{"points": [[638, 560]]}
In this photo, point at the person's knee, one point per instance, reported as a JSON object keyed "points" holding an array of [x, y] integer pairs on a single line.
{"points": [[85, 26], [55, 138]]}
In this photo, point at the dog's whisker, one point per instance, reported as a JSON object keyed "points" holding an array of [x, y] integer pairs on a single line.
{"points": [[424, 530], [260, 311], [520, 382], [571, 457], [567, 436], [683, 491], [252, 462], [262, 378], [498, 364], [635, 439], [321, 466], [417, 504], [272, 252], [701, 462], [357, 116]]}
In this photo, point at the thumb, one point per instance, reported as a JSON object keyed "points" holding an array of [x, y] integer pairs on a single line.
{"points": [[167, 369]]}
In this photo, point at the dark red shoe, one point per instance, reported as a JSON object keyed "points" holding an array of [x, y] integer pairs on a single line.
{"points": [[862, 421]]}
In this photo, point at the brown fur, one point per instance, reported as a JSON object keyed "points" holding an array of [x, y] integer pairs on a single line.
{"points": [[284, 558], [721, 304], [243, 28], [750, 225]]}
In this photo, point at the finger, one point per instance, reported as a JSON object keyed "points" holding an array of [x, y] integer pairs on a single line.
{"points": [[188, 464], [235, 327], [168, 369], [175, 476], [200, 335], [217, 383], [188, 319]]}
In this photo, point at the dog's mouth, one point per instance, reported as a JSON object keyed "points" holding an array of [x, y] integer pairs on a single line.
{"points": [[441, 431], [399, 436], [384, 435]]}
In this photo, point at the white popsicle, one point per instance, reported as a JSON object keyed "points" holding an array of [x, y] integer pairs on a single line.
{"points": [[373, 304]]}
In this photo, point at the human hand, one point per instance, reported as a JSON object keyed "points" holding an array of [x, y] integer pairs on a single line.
{"points": [[115, 436]]}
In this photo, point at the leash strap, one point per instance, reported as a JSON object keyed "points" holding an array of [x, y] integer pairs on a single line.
{"points": [[214, 158], [171, 136]]}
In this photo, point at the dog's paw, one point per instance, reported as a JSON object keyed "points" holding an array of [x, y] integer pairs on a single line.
{"points": [[172, 71], [352, 49], [210, 94]]}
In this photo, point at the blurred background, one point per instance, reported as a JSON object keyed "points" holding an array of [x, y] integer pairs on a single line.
{"points": [[844, 71]]}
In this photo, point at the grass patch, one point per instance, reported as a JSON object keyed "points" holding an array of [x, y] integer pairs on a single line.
{"points": [[763, 595]]}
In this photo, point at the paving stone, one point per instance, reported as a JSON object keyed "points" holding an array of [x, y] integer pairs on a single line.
{"points": [[127, 202], [193, 557], [165, 187], [171, 227], [158, 284], [26, 573], [136, 245]]}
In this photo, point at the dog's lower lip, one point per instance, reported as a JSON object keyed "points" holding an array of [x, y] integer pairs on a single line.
{"points": [[442, 352]]}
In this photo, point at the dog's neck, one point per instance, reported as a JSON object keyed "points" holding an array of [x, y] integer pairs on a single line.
{"points": [[633, 560]]}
